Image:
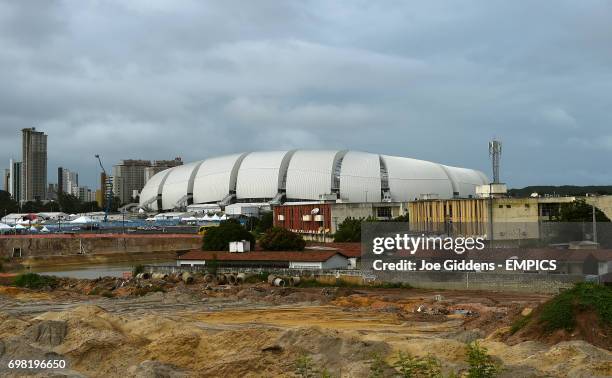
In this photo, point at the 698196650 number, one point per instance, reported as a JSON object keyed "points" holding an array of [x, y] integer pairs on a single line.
{"points": [[37, 364]]}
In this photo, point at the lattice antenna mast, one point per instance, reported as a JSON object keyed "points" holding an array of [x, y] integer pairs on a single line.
{"points": [[495, 151]]}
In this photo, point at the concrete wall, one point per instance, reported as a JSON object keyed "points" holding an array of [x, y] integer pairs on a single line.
{"points": [[603, 203], [532, 283], [65, 245]]}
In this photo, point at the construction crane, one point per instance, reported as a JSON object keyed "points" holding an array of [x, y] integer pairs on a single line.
{"points": [[109, 191]]}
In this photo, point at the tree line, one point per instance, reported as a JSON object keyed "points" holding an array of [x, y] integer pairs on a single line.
{"points": [[66, 203]]}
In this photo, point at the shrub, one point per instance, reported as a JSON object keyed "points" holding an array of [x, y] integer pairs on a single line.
{"points": [[137, 270], [560, 311], [304, 367], [481, 364], [377, 367], [417, 367], [218, 238], [34, 281], [280, 239]]}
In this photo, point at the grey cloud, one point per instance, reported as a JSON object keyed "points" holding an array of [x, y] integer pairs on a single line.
{"points": [[430, 80]]}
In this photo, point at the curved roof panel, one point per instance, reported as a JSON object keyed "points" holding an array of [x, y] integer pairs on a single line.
{"points": [[177, 182], [258, 175], [212, 181], [310, 174], [360, 177], [150, 191], [410, 178], [466, 180]]}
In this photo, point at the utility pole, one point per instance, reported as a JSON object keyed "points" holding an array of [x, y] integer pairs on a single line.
{"points": [[594, 225]]}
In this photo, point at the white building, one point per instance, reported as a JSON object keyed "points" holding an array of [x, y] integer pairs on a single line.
{"points": [[300, 175]]}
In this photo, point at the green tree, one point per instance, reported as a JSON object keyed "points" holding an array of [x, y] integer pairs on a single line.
{"points": [[580, 211], [349, 230], [280, 239], [68, 203], [7, 204], [265, 222], [218, 238]]}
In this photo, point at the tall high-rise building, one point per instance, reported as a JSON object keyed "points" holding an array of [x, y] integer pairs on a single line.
{"points": [[160, 165], [106, 188], [6, 179], [34, 165], [52, 192], [83, 193], [66, 180], [60, 180], [15, 183], [128, 177]]}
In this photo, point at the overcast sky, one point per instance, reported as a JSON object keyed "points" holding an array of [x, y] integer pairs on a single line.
{"points": [[430, 80]]}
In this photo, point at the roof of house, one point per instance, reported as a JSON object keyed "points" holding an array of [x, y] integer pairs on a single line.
{"points": [[349, 249], [300, 256]]}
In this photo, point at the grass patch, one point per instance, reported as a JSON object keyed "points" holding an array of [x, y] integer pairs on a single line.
{"points": [[519, 324], [349, 284], [257, 278], [102, 292], [149, 289], [560, 311], [34, 281]]}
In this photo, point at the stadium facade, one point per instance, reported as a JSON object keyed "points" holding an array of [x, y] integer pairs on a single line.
{"points": [[306, 175]]}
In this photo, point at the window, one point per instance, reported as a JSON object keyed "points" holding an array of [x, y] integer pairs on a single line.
{"points": [[383, 212], [508, 206], [501, 206]]}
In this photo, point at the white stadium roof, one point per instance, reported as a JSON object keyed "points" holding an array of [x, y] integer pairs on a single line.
{"points": [[305, 175]]}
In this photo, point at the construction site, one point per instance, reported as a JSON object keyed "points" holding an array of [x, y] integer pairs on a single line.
{"points": [[198, 325]]}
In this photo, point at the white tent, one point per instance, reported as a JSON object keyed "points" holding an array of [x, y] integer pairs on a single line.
{"points": [[223, 217], [189, 219], [215, 218], [23, 221], [19, 227], [83, 219], [33, 229], [5, 227], [44, 229]]}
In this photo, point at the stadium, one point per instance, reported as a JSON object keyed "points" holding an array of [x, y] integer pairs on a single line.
{"points": [[276, 177]]}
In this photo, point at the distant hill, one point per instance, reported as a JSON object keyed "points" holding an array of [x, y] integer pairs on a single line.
{"points": [[564, 190]]}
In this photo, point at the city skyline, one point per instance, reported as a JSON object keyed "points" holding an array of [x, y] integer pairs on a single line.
{"points": [[429, 81]]}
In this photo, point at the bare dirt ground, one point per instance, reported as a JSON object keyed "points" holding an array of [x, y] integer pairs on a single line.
{"points": [[110, 328]]}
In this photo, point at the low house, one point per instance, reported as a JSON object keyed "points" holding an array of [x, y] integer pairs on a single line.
{"points": [[351, 250], [266, 259]]}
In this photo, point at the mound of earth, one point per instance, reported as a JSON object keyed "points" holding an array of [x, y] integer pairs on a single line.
{"points": [[581, 313]]}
